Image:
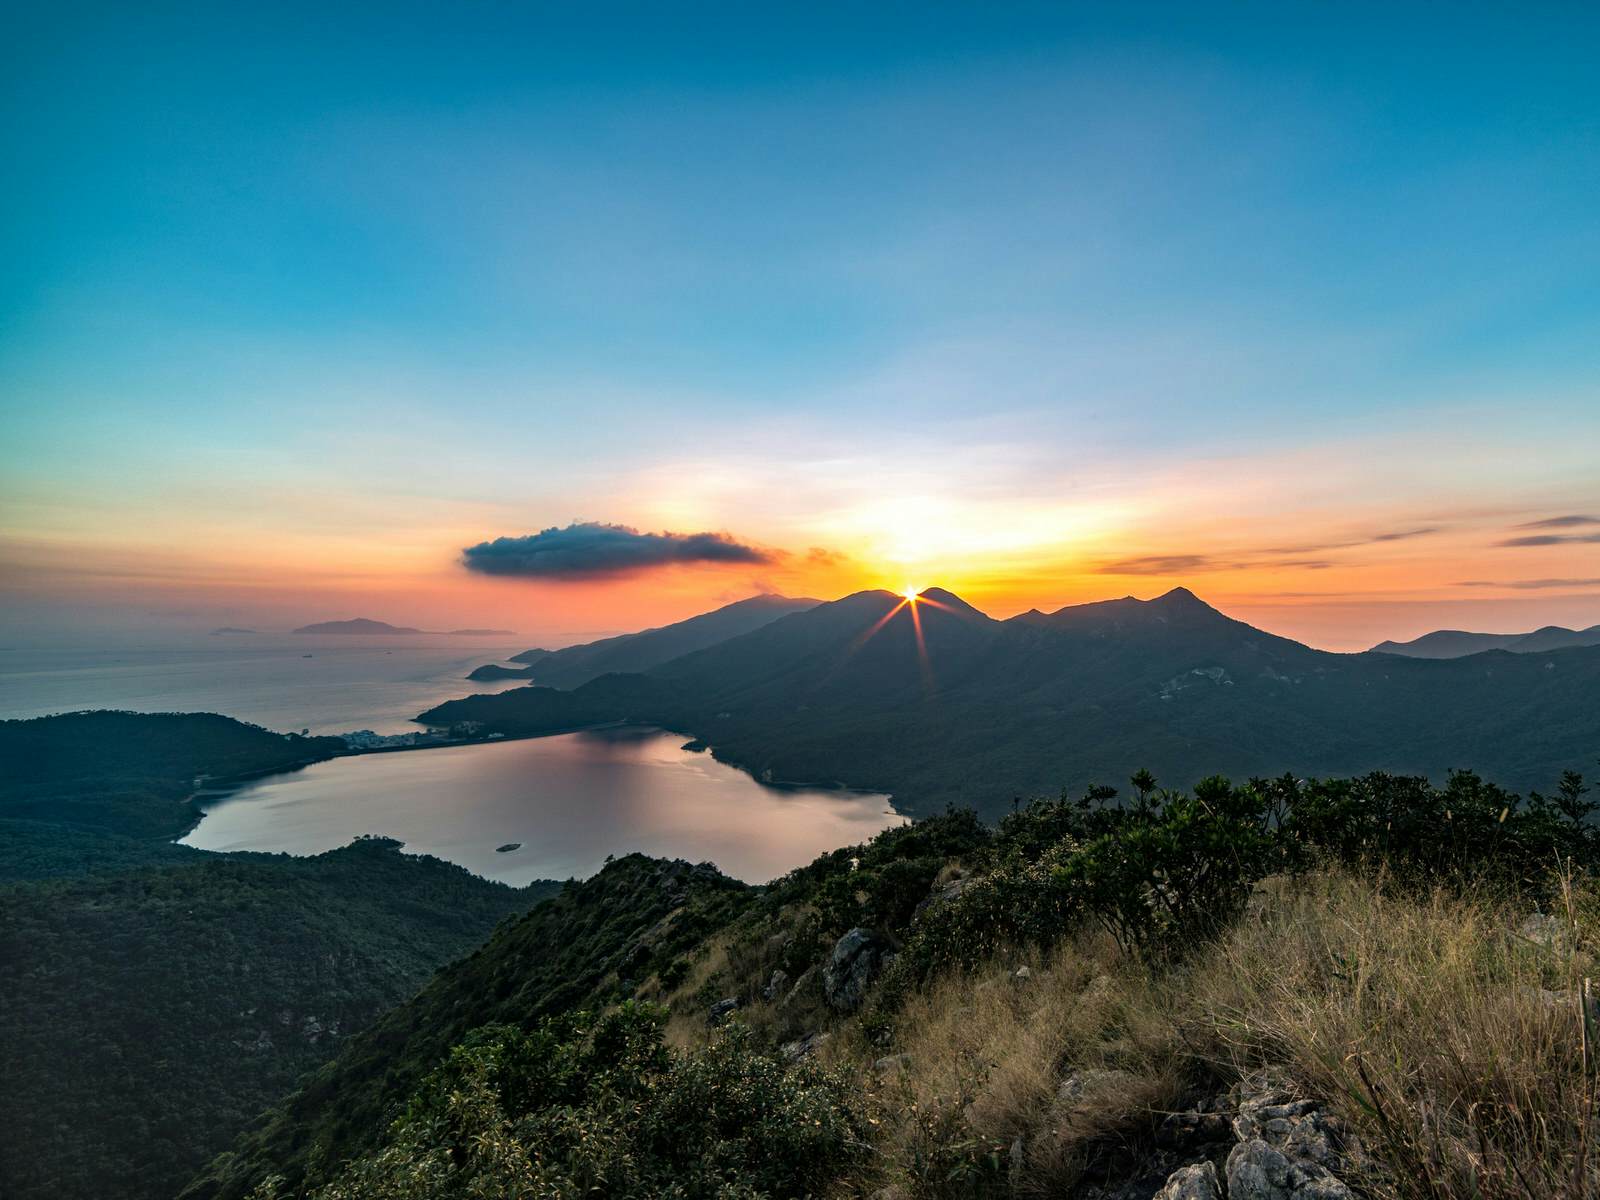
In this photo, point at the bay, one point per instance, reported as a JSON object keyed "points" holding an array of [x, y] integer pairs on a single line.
{"points": [[569, 800]]}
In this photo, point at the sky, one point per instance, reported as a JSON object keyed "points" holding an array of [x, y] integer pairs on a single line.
{"points": [[577, 319]]}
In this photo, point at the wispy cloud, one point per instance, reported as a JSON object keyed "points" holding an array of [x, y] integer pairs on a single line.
{"points": [[593, 550], [1529, 585], [1302, 558], [1567, 522], [1550, 539]]}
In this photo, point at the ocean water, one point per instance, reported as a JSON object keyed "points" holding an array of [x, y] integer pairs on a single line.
{"points": [[287, 683], [569, 800]]}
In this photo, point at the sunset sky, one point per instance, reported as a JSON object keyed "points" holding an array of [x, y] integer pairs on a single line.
{"points": [[303, 308]]}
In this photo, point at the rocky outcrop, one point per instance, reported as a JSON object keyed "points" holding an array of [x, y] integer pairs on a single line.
{"points": [[1261, 1140], [857, 959], [1195, 1182], [1288, 1148]]}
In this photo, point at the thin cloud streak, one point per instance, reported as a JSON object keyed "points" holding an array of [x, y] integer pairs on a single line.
{"points": [[1551, 539], [1567, 522], [1529, 585]]}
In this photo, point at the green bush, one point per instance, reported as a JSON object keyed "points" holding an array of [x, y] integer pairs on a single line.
{"points": [[585, 1106]]}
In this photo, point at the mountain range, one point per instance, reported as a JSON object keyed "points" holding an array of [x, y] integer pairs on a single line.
{"points": [[938, 703], [1456, 643]]}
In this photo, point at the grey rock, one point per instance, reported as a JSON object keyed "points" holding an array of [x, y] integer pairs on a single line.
{"points": [[1288, 1149], [1198, 1181], [722, 1008], [776, 986], [1022, 976], [892, 1064], [857, 959], [941, 894], [1077, 1084], [1543, 929], [804, 1047]]}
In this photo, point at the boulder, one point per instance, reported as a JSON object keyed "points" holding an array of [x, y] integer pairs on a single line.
{"points": [[804, 1047], [1078, 1084], [1198, 1181], [776, 986], [722, 1008], [857, 958], [892, 1064]]}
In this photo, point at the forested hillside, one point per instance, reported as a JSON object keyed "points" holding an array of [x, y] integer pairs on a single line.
{"points": [[594, 944], [151, 1013], [157, 997], [131, 773]]}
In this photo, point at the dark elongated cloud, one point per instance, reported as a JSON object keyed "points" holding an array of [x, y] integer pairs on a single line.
{"points": [[1529, 585], [1550, 539], [1567, 522], [593, 550]]}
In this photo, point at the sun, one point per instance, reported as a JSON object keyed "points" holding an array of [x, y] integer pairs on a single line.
{"points": [[911, 593]]}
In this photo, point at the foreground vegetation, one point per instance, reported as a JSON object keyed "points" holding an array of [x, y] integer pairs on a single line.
{"points": [[1074, 1003]]}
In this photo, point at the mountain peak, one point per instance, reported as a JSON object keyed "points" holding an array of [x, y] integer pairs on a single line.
{"points": [[938, 595], [1180, 596]]}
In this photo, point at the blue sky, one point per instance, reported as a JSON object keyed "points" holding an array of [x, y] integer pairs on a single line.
{"points": [[366, 286]]}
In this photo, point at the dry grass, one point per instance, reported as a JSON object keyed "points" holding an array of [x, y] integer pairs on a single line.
{"points": [[1456, 1049], [1459, 1049], [978, 1095]]}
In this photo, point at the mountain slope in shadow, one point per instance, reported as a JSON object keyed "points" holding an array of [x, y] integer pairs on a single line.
{"points": [[938, 703]]}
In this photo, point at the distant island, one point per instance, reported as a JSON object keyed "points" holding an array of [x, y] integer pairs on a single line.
{"points": [[367, 627], [228, 629]]}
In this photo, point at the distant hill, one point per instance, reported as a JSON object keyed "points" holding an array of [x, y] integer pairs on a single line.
{"points": [[359, 625], [576, 665], [957, 707], [1454, 643], [132, 773]]}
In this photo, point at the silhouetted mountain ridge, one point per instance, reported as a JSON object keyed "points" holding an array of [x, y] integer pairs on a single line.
{"points": [[939, 703], [576, 665]]}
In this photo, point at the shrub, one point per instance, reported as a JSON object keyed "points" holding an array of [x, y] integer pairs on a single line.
{"points": [[585, 1106]]}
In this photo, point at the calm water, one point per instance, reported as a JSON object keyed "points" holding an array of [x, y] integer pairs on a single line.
{"points": [[376, 684], [570, 800]]}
